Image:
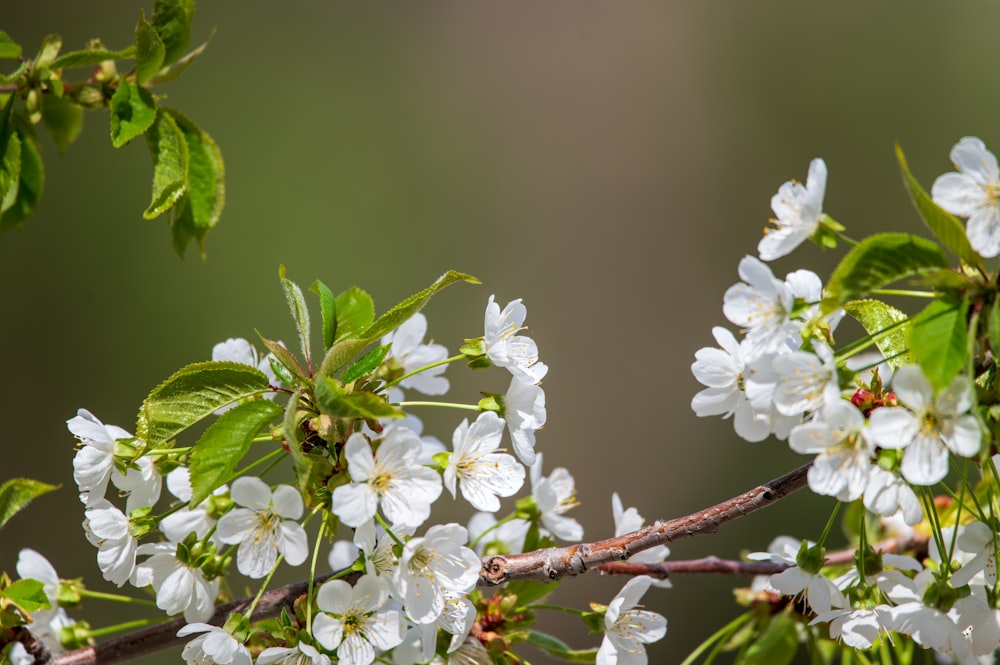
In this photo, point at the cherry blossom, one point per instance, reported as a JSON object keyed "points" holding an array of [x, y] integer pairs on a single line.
{"points": [[480, 471], [517, 353], [798, 209]]}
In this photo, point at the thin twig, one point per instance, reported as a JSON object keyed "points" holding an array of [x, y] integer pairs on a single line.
{"points": [[543, 565]]}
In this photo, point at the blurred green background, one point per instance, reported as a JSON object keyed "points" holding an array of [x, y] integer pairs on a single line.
{"points": [[608, 162]]}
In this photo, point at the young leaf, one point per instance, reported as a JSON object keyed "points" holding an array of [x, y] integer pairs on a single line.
{"points": [[287, 360], [311, 470], [172, 21], [777, 646], [206, 188], [399, 314], [366, 364], [300, 312], [355, 312], [340, 354], [327, 309], [225, 443], [194, 393], [9, 49], [937, 341], [875, 317], [10, 172], [942, 224], [28, 594], [879, 260], [149, 51], [17, 493], [171, 72], [64, 120], [91, 57], [133, 111], [527, 591], [335, 401], [559, 649], [170, 164], [30, 184], [48, 51]]}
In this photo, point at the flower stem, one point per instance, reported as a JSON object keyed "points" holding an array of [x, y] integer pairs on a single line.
{"points": [[378, 518], [829, 523], [168, 451], [128, 625], [720, 635], [312, 578], [100, 595], [422, 369], [903, 292], [448, 405], [558, 608], [505, 520], [263, 587]]}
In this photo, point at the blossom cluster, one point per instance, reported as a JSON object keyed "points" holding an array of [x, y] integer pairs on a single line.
{"points": [[882, 427], [402, 590]]}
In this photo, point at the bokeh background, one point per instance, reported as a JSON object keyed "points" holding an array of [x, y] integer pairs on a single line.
{"points": [[610, 163]]}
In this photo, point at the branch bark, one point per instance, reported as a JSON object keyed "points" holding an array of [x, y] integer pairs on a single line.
{"points": [[541, 565]]}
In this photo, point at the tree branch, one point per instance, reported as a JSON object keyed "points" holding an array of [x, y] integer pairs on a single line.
{"points": [[542, 565], [556, 562]]}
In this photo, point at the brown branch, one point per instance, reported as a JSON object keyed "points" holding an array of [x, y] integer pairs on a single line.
{"points": [[556, 562], [543, 565]]}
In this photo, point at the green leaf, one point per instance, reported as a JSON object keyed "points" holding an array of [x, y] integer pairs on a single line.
{"points": [[366, 364], [328, 312], [300, 312], [28, 594], [17, 493], [355, 312], [170, 164], [337, 402], [559, 649], [30, 184], [993, 329], [343, 351], [10, 172], [528, 592], [48, 52], [225, 443], [9, 49], [948, 229], [399, 314], [194, 393], [149, 51], [172, 21], [938, 342], [879, 260], [171, 72], [206, 187], [287, 360], [777, 646], [64, 120], [875, 316], [91, 57], [133, 111]]}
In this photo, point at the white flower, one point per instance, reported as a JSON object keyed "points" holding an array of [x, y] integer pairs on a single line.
{"points": [[629, 520], [47, 624], [481, 472], [264, 527], [798, 211], [380, 558], [142, 485], [456, 619], [805, 381], [343, 555], [303, 654], [762, 305], [519, 354], [391, 478], [432, 565], [844, 454], [107, 528], [821, 593], [887, 494], [524, 412], [17, 655], [627, 629], [94, 462], [555, 494], [930, 427], [177, 525], [410, 351], [974, 192], [178, 587], [215, 647], [351, 620], [859, 628], [977, 539], [721, 370], [507, 538]]}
